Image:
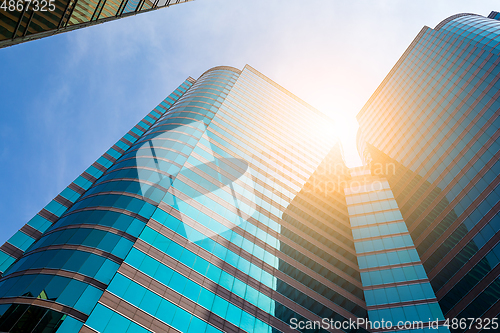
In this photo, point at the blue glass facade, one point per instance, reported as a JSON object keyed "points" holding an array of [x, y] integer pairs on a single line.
{"points": [[200, 222], [396, 287], [435, 118]]}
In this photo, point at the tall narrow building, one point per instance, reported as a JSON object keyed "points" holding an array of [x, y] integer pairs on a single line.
{"points": [[21, 21], [435, 118], [396, 287]]}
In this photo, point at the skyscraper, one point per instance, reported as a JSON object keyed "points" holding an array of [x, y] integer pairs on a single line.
{"points": [[21, 21], [229, 208], [195, 221], [435, 118]]}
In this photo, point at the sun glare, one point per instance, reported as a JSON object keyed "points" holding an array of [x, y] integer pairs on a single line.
{"points": [[345, 129]]}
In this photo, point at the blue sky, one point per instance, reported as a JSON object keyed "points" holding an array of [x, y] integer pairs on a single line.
{"points": [[66, 99]]}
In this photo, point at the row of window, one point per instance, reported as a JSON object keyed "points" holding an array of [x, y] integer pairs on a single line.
{"points": [[401, 293], [385, 243], [371, 207], [92, 238], [121, 201], [363, 188], [393, 275], [73, 293], [85, 263], [103, 216], [413, 313], [368, 219], [388, 258], [105, 320], [380, 230], [369, 197]]}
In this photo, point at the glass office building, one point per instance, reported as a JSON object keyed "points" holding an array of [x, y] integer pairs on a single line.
{"points": [[205, 217], [435, 119], [21, 21]]}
